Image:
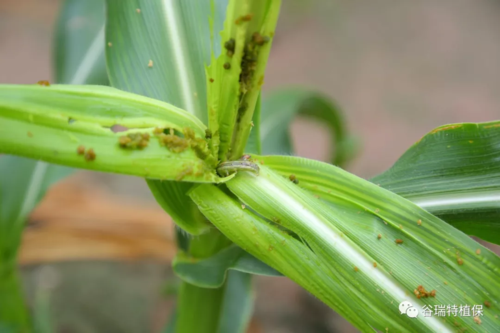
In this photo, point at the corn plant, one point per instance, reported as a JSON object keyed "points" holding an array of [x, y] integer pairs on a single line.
{"points": [[186, 81]]}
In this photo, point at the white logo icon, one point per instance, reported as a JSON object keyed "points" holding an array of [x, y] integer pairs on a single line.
{"points": [[407, 308]]}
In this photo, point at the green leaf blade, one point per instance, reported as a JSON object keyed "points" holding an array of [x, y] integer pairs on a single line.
{"points": [[176, 37], [50, 123], [276, 248], [280, 108], [13, 312], [453, 172], [254, 144], [236, 76], [237, 305], [79, 46], [342, 228], [211, 272], [172, 197], [23, 183], [159, 49], [99, 104], [79, 58]]}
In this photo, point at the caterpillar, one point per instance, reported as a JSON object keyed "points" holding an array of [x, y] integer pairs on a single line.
{"points": [[228, 168]]}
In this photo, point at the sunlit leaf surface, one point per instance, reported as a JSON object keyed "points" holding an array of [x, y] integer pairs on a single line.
{"points": [[378, 246], [454, 172], [72, 125]]}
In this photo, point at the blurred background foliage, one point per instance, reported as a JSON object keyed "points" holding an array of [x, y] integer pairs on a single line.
{"points": [[95, 255]]}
